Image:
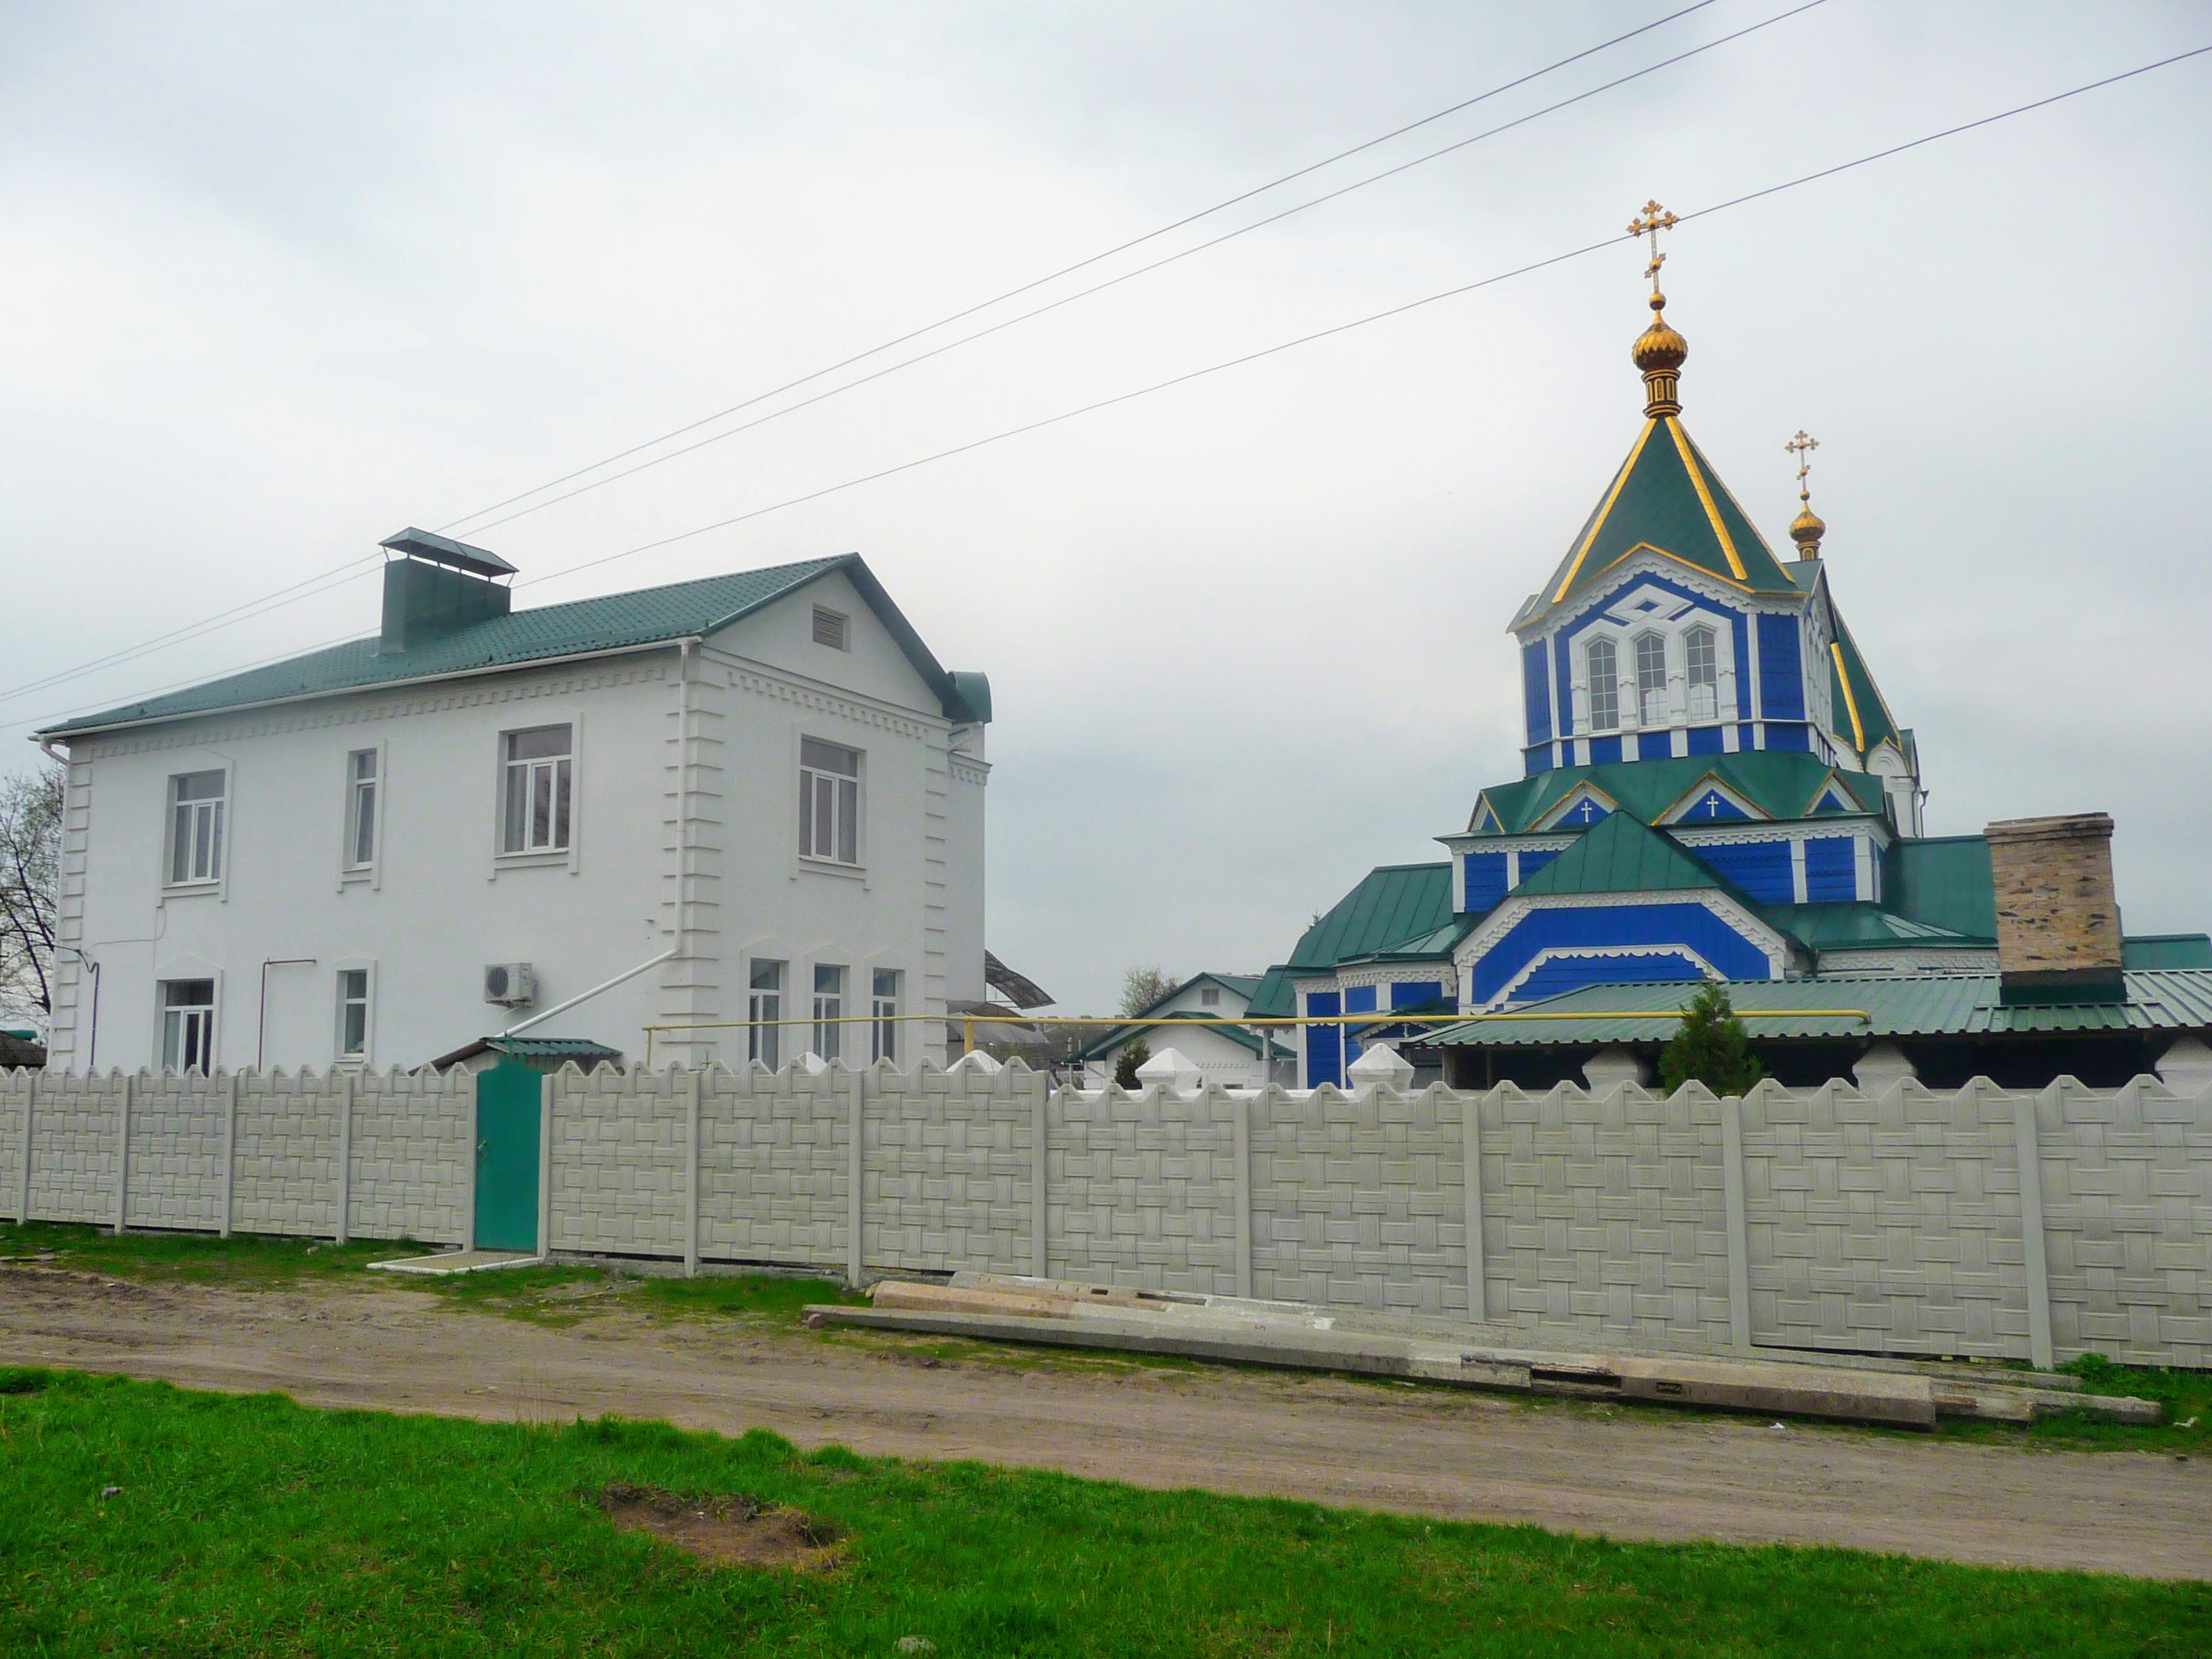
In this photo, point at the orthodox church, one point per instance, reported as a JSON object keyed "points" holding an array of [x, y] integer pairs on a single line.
{"points": [[1714, 786]]}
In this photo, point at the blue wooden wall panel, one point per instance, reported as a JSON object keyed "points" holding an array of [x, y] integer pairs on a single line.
{"points": [[1789, 734], [1412, 993], [1324, 1043], [1536, 690], [1534, 760], [1604, 750], [1711, 807], [1693, 926], [1571, 973], [1761, 868], [1535, 857], [1486, 879], [1831, 869], [1707, 740], [1654, 745], [1358, 1000], [1781, 670]]}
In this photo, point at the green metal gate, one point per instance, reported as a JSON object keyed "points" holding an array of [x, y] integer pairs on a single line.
{"points": [[507, 1105]]}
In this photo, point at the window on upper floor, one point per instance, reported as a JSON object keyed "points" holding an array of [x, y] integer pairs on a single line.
{"points": [[362, 770], [538, 775], [188, 1024], [1704, 673], [195, 827], [833, 629], [353, 1014], [1603, 665], [829, 802], [1650, 679], [1210, 997]]}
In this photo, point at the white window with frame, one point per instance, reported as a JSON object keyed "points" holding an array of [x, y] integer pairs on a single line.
{"points": [[355, 990], [196, 807], [538, 776], [364, 781], [829, 802], [828, 1009], [188, 1026], [1602, 667], [1650, 679], [763, 1008], [883, 1010], [1702, 651], [1210, 997], [833, 629]]}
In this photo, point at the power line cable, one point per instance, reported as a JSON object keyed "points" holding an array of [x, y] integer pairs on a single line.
{"points": [[1326, 333], [1080, 264], [244, 611], [1127, 276], [1357, 323]]}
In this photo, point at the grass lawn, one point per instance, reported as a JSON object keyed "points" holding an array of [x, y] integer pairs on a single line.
{"points": [[137, 1518], [563, 1295]]}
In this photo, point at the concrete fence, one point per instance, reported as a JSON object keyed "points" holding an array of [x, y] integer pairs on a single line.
{"points": [[1895, 1222]]}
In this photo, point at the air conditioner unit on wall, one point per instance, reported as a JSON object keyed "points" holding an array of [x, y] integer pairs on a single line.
{"points": [[510, 983]]}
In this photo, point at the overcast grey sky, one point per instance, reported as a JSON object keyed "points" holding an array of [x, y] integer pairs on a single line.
{"points": [[278, 280]]}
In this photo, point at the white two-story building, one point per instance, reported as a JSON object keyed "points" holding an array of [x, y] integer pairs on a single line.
{"points": [[719, 804]]}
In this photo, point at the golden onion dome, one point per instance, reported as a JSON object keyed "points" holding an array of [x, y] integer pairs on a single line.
{"points": [[1806, 530], [1659, 351]]}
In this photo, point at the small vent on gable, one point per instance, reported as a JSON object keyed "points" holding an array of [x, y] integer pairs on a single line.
{"points": [[832, 628]]}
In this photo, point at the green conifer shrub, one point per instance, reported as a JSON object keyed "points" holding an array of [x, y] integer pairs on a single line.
{"points": [[1709, 1047]]}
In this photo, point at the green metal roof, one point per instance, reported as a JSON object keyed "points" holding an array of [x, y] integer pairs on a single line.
{"points": [[1247, 1040], [551, 1049], [1858, 925], [613, 622], [1781, 783], [1944, 881], [1861, 714], [1276, 997], [1916, 1005], [1665, 496], [2167, 951], [1618, 855], [1392, 904]]}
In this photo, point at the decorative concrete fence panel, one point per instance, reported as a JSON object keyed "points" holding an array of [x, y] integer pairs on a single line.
{"points": [[1826, 1218]]}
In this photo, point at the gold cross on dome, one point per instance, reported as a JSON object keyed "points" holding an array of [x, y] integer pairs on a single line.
{"points": [[1802, 447], [1653, 219]]}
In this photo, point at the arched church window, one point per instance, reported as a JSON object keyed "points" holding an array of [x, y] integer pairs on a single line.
{"points": [[1651, 678], [1604, 684], [1704, 666]]}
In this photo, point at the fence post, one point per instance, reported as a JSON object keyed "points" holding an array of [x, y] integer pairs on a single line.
{"points": [[856, 1161], [2028, 1151], [123, 1152], [345, 1158], [697, 1082], [1739, 1235], [1240, 1138], [1478, 1269], [229, 1154], [23, 1176], [545, 1165], [1039, 1243]]}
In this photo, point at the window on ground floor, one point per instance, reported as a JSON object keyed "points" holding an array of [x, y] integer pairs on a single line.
{"points": [[884, 1011], [828, 1009], [763, 1008], [188, 1024]]}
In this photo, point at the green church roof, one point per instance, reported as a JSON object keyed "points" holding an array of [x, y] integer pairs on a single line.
{"points": [[1862, 716], [1390, 906], [1668, 497], [1782, 783], [613, 622], [1618, 855]]}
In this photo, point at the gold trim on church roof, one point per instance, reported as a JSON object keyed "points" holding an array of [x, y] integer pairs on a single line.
{"points": [[1705, 498], [1687, 564], [1850, 703], [1604, 513]]}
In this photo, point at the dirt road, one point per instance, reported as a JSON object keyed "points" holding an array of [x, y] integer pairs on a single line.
{"points": [[1628, 1474]]}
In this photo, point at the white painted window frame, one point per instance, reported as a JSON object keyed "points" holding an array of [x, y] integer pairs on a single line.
{"points": [[372, 872], [884, 1038], [571, 856], [225, 833], [828, 1039], [763, 1041], [809, 860], [367, 969], [211, 1016]]}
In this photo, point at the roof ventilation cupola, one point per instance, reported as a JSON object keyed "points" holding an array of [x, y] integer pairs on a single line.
{"points": [[1660, 351], [1808, 527], [436, 587]]}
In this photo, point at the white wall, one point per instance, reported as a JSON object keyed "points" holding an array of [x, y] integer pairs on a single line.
{"points": [[686, 832]]}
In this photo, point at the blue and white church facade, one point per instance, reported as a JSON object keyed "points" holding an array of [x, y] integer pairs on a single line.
{"points": [[1713, 787]]}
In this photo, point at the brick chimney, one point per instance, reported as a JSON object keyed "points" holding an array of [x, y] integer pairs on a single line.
{"points": [[2058, 924]]}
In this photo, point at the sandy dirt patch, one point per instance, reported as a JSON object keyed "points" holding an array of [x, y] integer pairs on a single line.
{"points": [[1626, 1473]]}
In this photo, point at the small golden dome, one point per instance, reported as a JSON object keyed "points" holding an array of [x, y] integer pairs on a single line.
{"points": [[1806, 530], [1659, 348], [1659, 351]]}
